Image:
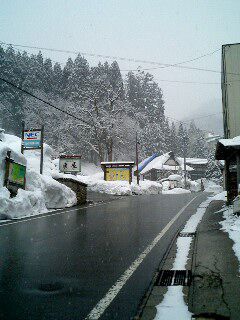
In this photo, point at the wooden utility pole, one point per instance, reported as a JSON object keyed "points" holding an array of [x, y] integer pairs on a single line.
{"points": [[23, 128], [137, 158], [184, 161], [41, 158]]}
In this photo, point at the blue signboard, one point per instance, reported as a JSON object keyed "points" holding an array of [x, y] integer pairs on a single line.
{"points": [[32, 139]]}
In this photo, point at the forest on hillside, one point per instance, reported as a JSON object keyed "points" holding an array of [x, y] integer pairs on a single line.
{"points": [[113, 108]]}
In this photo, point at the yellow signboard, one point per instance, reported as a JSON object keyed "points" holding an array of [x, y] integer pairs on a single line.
{"points": [[114, 174]]}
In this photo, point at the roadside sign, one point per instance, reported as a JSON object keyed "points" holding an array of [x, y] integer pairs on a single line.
{"points": [[14, 176], [32, 139], [114, 174], [118, 171], [70, 163]]}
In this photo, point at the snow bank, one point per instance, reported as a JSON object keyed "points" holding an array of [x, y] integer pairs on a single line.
{"points": [[175, 177], [210, 186], [96, 183], [42, 191], [231, 225], [176, 191]]}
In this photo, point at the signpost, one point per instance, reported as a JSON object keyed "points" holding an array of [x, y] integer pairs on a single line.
{"points": [[32, 139], [70, 164], [115, 171], [14, 175]]}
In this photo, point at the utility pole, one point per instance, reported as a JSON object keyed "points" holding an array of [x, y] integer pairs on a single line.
{"points": [[137, 158], [184, 161]]}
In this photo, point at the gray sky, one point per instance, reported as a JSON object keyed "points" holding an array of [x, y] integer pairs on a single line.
{"points": [[163, 31]]}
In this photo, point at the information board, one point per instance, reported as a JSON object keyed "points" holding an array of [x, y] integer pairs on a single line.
{"points": [[15, 176], [32, 139], [114, 174], [70, 164]]}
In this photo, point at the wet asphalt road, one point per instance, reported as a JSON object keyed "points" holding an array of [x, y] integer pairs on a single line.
{"points": [[61, 265]]}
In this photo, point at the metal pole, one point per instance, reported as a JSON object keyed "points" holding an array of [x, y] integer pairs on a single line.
{"points": [[185, 172], [41, 160], [184, 163], [23, 128], [238, 173], [137, 158]]}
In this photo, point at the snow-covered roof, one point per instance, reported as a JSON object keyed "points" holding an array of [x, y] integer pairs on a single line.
{"points": [[143, 163], [159, 164], [230, 142], [118, 162], [194, 160], [156, 163]]}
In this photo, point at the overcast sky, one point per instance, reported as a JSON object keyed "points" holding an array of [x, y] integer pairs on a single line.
{"points": [[169, 31]]}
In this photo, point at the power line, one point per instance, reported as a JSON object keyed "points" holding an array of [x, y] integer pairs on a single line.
{"points": [[161, 80], [44, 101], [180, 81], [200, 117], [177, 65], [80, 119]]}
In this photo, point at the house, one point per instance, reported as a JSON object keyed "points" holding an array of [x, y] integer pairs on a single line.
{"points": [[162, 166], [229, 150], [199, 166]]}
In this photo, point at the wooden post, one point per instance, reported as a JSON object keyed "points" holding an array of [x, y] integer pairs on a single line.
{"points": [[41, 160], [23, 128], [227, 181]]}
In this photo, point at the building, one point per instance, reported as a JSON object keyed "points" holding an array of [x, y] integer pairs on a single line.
{"points": [[199, 166], [229, 150], [230, 89], [162, 166]]}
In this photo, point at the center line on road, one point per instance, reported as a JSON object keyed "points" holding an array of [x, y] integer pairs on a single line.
{"points": [[102, 305]]}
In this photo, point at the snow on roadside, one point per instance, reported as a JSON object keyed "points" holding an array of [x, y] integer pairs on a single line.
{"points": [[42, 191], [231, 225], [95, 182], [210, 186], [176, 191], [173, 306]]}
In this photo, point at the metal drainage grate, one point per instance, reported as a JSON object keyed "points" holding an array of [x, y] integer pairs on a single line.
{"points": [[187, 234], [174, 278]]}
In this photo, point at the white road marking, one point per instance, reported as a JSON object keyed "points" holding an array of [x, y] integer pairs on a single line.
{"points": [[102, 305], [42, 216]]}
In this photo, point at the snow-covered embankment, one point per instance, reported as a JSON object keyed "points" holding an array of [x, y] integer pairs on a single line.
{"points": [[42, 191]]}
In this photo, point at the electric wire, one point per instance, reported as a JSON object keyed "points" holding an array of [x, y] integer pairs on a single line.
{"points": [[160, 80], [177, 65], [44, 101]]}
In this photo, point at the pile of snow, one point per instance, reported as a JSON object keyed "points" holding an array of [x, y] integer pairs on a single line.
{"points": [[211, 186], [194, 185], [176, 191], [97, 183], [231, 225], [42, 191], [175, 177], [93, 176]]}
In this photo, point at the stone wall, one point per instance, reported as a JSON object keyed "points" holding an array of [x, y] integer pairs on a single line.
{"points": [[78, 187]]}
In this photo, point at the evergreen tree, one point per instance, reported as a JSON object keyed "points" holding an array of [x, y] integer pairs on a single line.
{"points": [[78, 80], [213, 170]]}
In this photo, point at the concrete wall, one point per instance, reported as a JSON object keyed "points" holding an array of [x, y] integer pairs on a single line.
{"points": [[78, 187]]}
